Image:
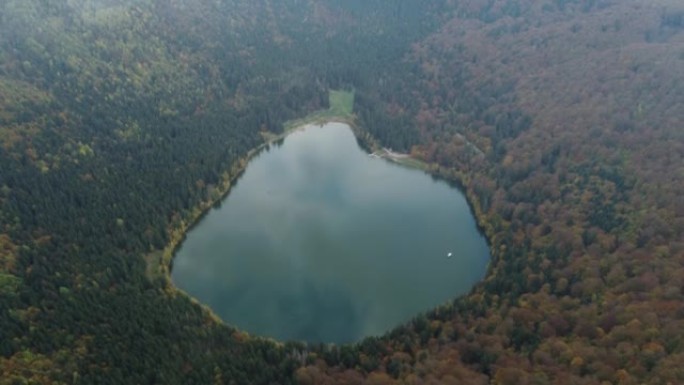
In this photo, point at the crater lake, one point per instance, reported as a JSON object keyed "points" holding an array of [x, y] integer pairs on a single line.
{"points": [[320, 242]]}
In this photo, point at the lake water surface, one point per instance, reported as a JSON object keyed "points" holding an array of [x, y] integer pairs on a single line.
{"points": [[320, 242]]}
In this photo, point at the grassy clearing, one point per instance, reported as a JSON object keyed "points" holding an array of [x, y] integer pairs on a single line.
{"points": [[341, 108], [411, 163], [341, 103]]}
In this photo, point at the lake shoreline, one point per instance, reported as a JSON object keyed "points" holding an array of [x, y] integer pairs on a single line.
{"points": [[160, 262], [178, 233], [315, 200]]}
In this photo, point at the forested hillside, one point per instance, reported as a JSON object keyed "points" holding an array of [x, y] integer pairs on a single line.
{"points": [[120, 120], [563, 120]]}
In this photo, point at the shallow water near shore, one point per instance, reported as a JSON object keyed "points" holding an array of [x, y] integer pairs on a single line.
{"points": [[320, 242]]}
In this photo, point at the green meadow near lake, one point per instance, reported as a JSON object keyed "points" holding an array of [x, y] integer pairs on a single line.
{"points": [[320, 242]]}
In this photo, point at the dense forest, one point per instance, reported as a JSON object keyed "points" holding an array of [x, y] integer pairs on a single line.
{"points": [[121, 120]]}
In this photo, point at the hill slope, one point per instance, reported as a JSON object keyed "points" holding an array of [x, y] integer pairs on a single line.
{"points": [[563, 119], [121, 120]]}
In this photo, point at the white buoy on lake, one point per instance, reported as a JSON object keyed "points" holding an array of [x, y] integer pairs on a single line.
{"points": [[449, 255]]}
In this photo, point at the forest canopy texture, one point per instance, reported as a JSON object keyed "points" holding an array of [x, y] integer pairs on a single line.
{"points": [[120, 121]]}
